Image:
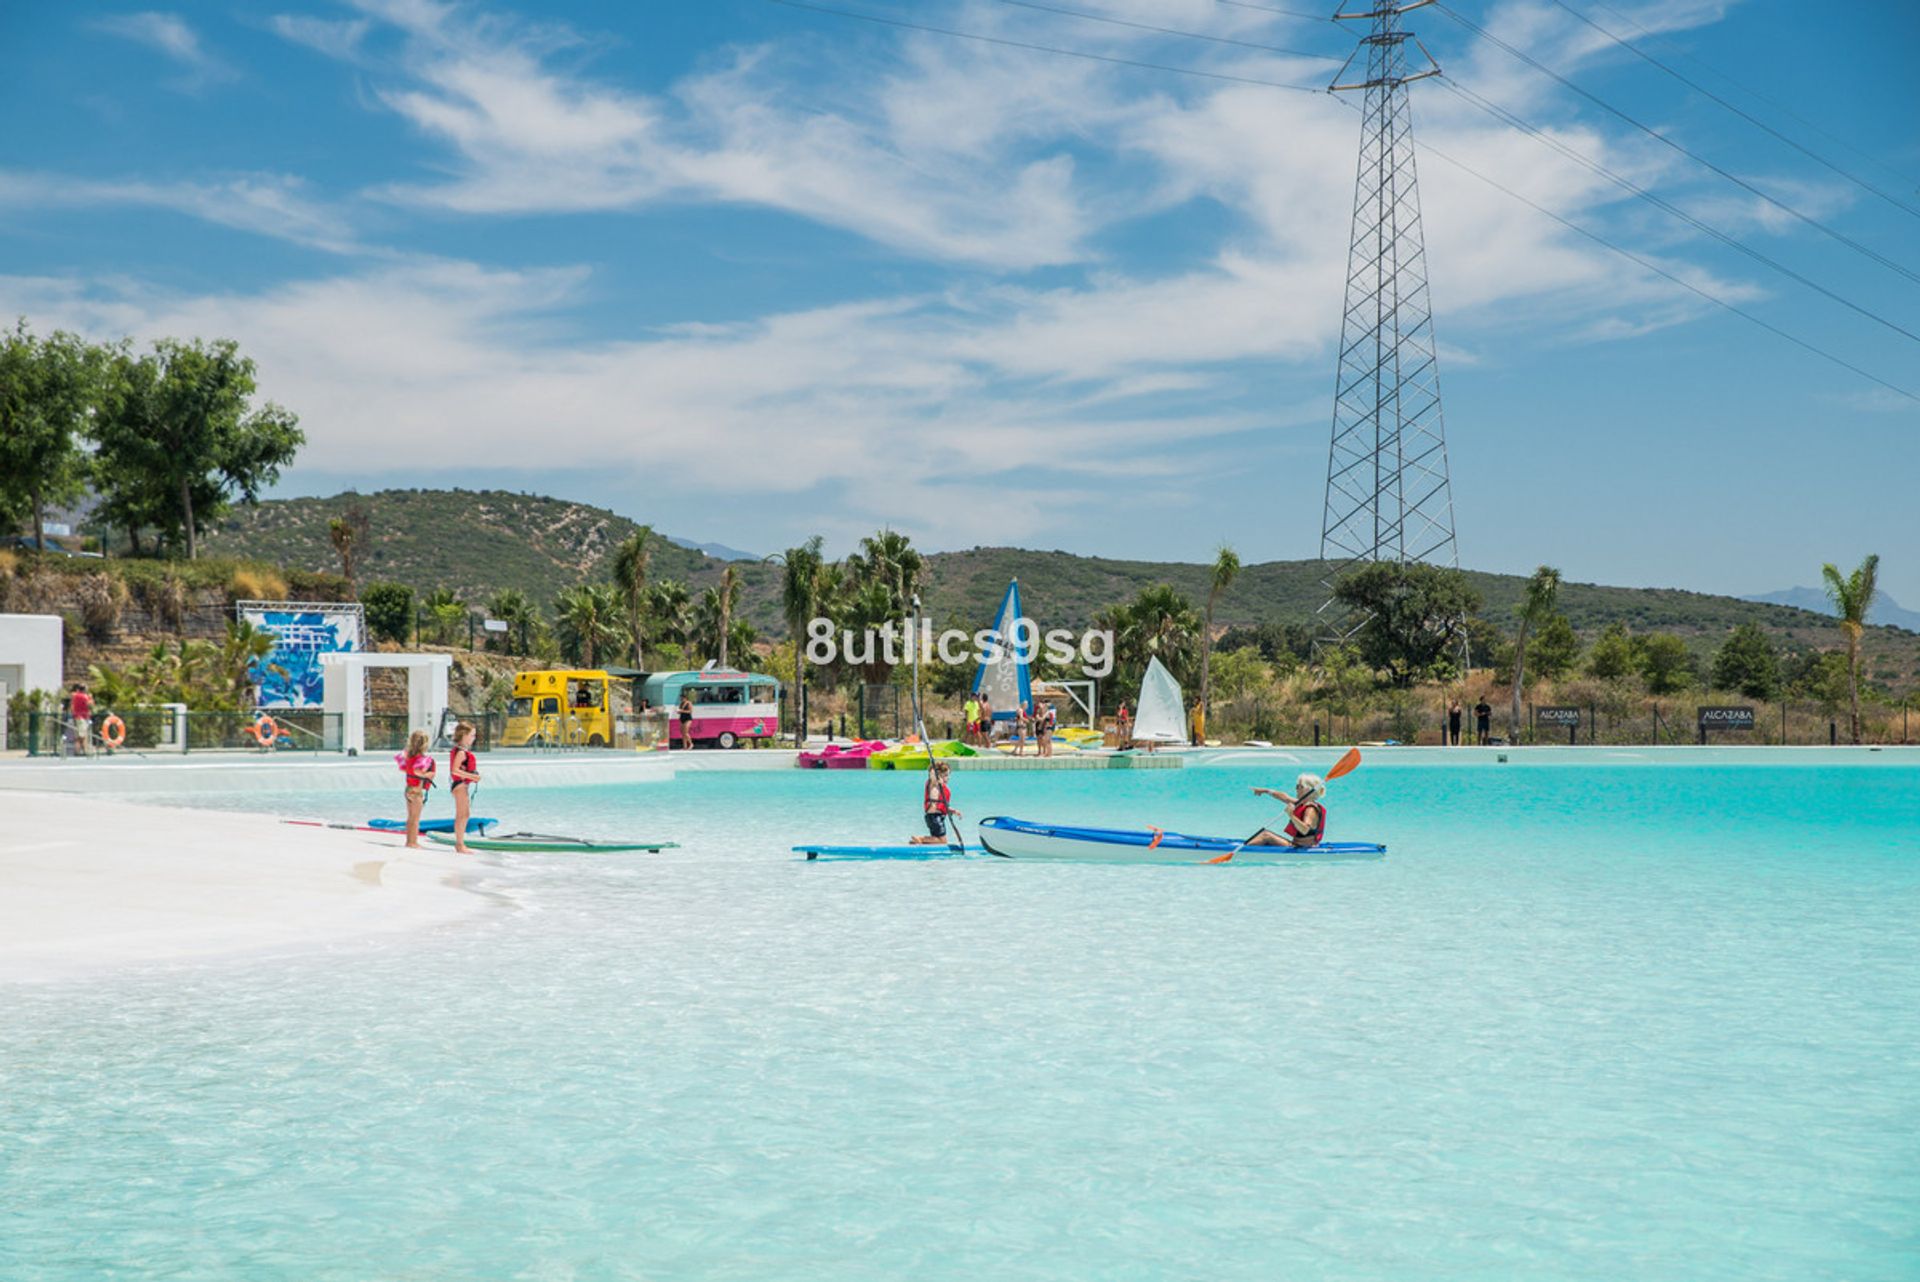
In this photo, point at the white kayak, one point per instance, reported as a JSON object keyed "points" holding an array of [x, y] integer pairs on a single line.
{"points": [[1021, 839]]}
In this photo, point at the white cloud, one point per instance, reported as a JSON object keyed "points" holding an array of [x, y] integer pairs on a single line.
{"points": [[170, 34], [275, 205]]}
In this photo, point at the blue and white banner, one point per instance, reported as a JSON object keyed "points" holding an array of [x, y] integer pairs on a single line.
{"points": [[291, 676]]}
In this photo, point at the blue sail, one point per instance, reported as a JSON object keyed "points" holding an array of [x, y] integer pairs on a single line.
{"points": [[1003, 676]]}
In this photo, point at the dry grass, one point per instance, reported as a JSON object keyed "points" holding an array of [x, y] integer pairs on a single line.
{"points": [[256, 583]]}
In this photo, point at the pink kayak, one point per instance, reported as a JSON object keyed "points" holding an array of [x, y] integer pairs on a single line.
{"points": [[842, 757]]}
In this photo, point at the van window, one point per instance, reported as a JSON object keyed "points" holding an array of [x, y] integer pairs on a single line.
{"points": [[549, 706], [721, 694], [520, 707]]}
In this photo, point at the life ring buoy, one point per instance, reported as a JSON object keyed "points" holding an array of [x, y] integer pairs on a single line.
{"points": [[113, 731], [265, 731]]}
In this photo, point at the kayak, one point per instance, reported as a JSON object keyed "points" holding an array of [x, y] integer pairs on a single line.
{"points": [[1020, 839], [913, 756], [818, 851], [836, 756], [475, 824], [534, 841]]}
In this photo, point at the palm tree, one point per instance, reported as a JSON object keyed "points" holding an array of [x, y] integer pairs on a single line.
{"points": [[246, 648], [630, 562], [799, 599], [1226, 568], [1536, 607], [1852, 596], [888, 557], [729, 592], [589, 618], [511, 607], [1158, 623], [668, 602], [348, 534]]}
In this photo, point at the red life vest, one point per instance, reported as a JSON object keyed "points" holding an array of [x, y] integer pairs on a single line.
{"points": [[459, 760], [1298, 812], [938, 798], [418, 770]]}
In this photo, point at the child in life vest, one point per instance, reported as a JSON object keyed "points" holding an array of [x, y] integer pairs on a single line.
{"points": [[416, 765]]}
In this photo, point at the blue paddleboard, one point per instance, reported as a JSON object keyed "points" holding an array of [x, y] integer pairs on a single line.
{"points": [[475, 824], [878, 852]]}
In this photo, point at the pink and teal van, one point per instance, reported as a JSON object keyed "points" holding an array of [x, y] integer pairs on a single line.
{"points": [[729, 707]]}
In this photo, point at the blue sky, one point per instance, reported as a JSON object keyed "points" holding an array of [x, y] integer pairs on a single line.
{"points": [[753, 272]]}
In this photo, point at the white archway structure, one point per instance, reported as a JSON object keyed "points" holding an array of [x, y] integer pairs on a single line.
{"points": [[345, 693]]}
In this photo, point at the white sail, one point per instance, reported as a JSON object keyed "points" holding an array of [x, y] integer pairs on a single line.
{"points": [[1162, 713]]}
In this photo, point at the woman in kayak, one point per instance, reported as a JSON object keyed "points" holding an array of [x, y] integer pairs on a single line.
{"points": [[416, 765], [1306, 815], [464, 770], [937, 802]]}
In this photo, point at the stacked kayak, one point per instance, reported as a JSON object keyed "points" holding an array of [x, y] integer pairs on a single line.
{"points": [[475, 824], [534, 842], [1022, 839], [836, 756], [1078, 736], [913, 756]]}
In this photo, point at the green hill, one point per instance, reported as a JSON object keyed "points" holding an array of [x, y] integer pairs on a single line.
{"points": [[476, 542]]}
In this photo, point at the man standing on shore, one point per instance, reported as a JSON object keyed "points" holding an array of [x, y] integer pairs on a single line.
{"points": [[1482, 718]]}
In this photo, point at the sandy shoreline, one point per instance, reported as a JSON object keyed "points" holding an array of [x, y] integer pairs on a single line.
{"points": [[88, 884]]}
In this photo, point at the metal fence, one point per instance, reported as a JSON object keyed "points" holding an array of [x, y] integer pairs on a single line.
{"points": [[149, 730]]}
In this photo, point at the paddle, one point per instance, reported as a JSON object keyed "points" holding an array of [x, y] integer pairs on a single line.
{"points": [[1345, 766]]}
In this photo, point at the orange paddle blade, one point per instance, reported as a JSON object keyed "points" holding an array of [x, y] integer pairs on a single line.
{"points": [[1346, 765], [1221, 859]]}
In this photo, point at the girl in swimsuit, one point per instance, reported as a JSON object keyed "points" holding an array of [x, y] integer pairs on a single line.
{"points": [[464, 769], [416, 764], [937, 802]]}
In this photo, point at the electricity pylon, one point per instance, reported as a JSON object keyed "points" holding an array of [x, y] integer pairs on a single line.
{"points": [[1388, 493]]}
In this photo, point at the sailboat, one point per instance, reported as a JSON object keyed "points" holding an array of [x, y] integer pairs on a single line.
{"points": [[1004, 676], [1162, 714]]}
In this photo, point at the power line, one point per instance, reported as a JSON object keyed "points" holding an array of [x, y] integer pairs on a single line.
{"points": [[1039, 48], [1461, 165], [1658, 270], [1665, 141], [1267, 8], [1509, 118], [1775, 103], [1164, 31], [1751, 119]]}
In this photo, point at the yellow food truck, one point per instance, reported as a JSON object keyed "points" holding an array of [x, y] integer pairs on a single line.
{"points": [[560, 707]]}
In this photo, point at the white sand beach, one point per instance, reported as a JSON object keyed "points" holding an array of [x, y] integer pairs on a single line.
{"points": [[88, 883]]}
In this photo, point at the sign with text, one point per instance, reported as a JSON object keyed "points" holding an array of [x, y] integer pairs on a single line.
{"points": [[1726, 718], [1568, 717]]}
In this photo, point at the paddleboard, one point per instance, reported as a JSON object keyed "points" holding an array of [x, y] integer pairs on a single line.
{"points": [[475, 824], [547, 843], [878, 852]]}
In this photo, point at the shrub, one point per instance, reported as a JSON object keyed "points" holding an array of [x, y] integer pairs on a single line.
{"points": [[318, 585], [389, 608], [101, 599], [256, 583]]}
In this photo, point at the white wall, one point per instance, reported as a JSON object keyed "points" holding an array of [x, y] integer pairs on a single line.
{"points": [[32, 651]]}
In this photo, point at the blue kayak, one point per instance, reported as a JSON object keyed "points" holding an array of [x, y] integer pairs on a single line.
{"points": [[819, 851], [1023, 839], [475, 824]]}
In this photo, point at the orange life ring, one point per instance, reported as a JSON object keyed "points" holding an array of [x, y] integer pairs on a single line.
{"points": [[113, 731], [265, 731]]}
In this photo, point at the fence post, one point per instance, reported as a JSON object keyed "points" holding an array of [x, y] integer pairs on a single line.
{"points": [[1316, 731], [1593, 724], [1833, 734], [1656, 723], [1783, 721]]}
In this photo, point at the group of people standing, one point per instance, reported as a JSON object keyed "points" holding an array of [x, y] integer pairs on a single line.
{"points": [[1032, 722], [1482, 722], [417, 767]]}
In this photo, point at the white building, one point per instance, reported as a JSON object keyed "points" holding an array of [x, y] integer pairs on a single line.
{"points": [[32, 652]]}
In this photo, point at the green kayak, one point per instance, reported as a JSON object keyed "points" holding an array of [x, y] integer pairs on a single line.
{"points": [[533, 841]]}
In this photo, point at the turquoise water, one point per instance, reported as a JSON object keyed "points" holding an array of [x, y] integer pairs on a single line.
{"points": [[1582, 1023]]}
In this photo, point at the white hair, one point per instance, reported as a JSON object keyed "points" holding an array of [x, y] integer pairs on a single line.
{"points": [[1310, 783]]}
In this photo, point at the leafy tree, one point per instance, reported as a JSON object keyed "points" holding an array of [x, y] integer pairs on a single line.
{"points": [[1852, 596], [1555, 649], [1285, 645], [1826, 678], [1414, 613], [888, 557], [243, 657], [446, 617], [48, 389], [1226, 568], [511, 607], [1613, 655], [178, 443], [1665, 663], [349, 535], [1346, 684], [1536, 606], [389, 610], [1748, 663], [630, 562], [589, 623]]}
